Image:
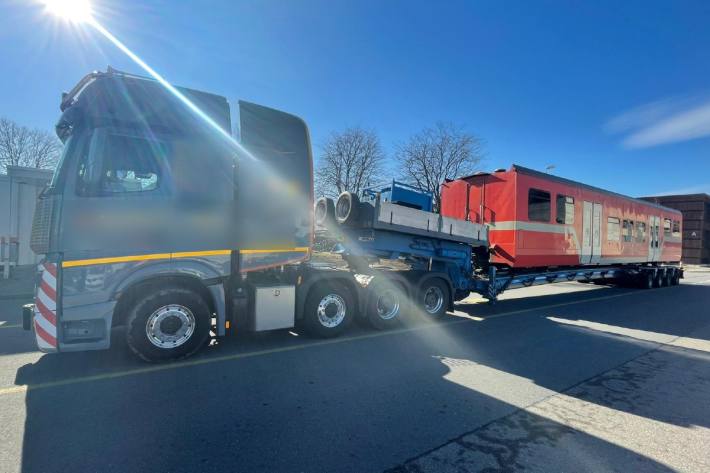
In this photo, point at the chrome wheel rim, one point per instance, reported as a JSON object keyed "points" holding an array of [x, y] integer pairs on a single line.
{"points": [[387, 305], [331, 310], [433, 300], [170, 326]]}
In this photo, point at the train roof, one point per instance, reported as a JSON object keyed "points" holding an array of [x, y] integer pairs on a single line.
{"points": [[551, 177]]}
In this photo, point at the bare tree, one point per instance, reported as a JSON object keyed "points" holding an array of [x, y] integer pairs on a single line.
{"points": [[351, 160], [444, 151], [23, 146]]}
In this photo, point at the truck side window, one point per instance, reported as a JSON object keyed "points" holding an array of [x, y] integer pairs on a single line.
{"points": [[538, 205], [130, 165], [565, 209], [123, 164]]}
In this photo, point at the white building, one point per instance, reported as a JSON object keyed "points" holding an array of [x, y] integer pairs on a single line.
{"points": [[19, 189]]}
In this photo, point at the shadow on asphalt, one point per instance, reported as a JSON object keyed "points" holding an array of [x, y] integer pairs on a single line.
{"points": [[363, 405], [13, 339]]}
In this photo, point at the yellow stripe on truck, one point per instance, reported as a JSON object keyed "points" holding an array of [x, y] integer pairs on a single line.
{"points": [[115, 259], [182, 254], [303, 249]]}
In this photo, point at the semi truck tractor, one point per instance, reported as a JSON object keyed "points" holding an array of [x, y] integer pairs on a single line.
{"points": [[164, 222]]}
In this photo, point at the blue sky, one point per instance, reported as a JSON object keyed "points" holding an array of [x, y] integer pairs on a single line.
{"points": [[615, 94]]}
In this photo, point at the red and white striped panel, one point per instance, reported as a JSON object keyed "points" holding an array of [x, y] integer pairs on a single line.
{"points": [[45, 317]]}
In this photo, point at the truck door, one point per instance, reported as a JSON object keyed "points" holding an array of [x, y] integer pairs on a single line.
{"points": [[274, 196]]}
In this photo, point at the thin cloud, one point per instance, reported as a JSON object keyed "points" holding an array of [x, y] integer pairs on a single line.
{"points": [[661, 122]]}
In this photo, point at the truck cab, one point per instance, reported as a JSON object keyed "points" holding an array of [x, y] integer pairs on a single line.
{"points": [[158, 219]]}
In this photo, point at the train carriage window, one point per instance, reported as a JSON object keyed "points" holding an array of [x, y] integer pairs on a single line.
{"points": [[538, 205], [613, 230], [676, 228], [565, 209], [666, 227], [640, 232], [628, 230]]}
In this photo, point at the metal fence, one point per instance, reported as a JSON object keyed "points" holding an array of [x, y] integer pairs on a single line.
{"points": [[9, 254]]}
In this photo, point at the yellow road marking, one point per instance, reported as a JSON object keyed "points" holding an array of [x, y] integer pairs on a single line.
{"points": [[300, 346], [11, 326], [13, 389]]}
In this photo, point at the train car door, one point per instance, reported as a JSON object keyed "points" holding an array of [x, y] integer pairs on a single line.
{"points": [[654, 243], [596, 233], [586, 256], [591, 233]]}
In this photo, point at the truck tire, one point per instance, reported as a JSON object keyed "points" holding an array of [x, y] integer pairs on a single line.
{"points": [[329, 310], [347, 208], [169, 324], [324, 212], [657, 278], [675, 280], [646, 280], [385, 304], [433, 298], [666, 278]]}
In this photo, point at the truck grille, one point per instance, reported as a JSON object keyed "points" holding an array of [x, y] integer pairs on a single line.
{"points": [[39, 239]]}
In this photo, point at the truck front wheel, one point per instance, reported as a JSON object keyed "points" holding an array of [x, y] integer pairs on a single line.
{"points": [[329, 310], [168, 324]]}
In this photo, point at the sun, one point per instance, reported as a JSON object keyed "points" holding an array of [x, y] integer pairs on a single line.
{"points": [[75, 11]]}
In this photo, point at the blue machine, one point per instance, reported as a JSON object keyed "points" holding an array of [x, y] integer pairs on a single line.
{"points": [[403, 194]]}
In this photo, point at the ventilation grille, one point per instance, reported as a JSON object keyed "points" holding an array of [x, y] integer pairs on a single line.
{"points": [[39, 240]]}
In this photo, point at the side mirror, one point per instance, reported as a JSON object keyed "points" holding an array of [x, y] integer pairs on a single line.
{"points": [[70, 119]]}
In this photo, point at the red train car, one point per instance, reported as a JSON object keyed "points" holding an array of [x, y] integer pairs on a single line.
{"points": [[538, 220]]}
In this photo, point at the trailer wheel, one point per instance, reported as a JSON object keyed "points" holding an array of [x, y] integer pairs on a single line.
{"points": [[657, 278], [168, 324], [329, 310], [646, 280], [675, 280], [666, 278], [386, 302], [434, 297]]}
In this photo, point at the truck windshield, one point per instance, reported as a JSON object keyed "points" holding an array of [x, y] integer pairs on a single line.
{"points": [[72, 143]]}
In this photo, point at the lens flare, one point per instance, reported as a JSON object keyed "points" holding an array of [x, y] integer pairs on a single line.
{"points": [[74, 11]]}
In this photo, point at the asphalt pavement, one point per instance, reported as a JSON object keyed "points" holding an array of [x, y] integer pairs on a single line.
{"points": [[565, 377]]}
